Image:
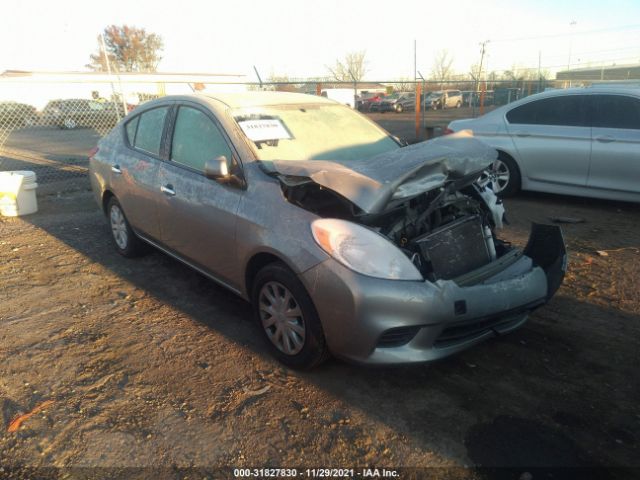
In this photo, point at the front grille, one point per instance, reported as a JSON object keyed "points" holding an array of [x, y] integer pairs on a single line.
{"points": [[396, 337], [470, 329], [460, 333]]}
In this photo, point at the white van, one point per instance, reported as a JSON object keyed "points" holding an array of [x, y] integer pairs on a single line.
{"points": [[344, 96]]}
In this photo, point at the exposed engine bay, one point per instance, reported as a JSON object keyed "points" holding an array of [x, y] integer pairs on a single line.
{"points": [[432, 199], [445, 232]]}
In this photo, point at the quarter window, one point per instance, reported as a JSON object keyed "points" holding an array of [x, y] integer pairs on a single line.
{"points": [[196, 139], [569, 110], [616, 111], [149, 132], [131, 127]]}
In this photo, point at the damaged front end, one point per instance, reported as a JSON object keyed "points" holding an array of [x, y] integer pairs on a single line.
{"points": [[427, 199]]}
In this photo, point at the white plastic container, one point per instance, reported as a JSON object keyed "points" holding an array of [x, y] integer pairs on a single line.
{"points": [[18, 193]]}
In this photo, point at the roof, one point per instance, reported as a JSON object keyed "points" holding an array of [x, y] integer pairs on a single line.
{"points": [[256, 99], [633, 89]]}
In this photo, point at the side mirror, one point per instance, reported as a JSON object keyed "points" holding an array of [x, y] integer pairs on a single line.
{"points": [[217, 169]]}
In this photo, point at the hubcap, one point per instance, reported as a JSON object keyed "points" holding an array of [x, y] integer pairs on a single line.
{"points": [[118, 227], [498, 176], [70, 123], [281, 318]]}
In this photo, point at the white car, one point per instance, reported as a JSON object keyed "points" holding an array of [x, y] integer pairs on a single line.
{"points": [[580, 141]]}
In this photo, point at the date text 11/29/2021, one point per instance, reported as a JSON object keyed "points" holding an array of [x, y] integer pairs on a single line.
{"points": [[315, 473]]}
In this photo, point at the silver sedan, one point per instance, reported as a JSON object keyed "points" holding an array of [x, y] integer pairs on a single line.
{"points": [[580, 141], [344, 241]]}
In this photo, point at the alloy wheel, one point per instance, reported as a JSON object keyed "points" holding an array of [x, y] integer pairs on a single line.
{"points": [[499, 176]]}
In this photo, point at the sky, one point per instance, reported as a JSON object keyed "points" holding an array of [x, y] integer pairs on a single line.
{"points": [[301, 38]]}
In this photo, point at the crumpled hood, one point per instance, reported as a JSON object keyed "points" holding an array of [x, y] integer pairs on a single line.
{"points": [[398, 174]]}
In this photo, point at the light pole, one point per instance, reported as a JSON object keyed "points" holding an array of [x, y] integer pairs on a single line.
{"points": [[571, 24]]}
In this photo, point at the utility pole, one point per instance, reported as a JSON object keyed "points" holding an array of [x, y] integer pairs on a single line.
{"points": [[483, 46], [571, 24], [113, 90], [539, 72]]}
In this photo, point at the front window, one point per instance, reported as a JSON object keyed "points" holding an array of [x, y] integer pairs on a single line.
{"points": [[196, 139], [311, 132]]}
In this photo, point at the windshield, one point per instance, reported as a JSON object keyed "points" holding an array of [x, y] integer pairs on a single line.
{"points": [[311, 132]]}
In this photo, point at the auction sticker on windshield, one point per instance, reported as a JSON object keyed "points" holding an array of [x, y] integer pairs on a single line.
{"points": [[266, 129]]}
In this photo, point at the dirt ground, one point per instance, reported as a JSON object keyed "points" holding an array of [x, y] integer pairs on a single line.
{"points": [[148, 364]]}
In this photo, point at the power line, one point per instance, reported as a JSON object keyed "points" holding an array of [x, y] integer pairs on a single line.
{"points": [[567, 34]]}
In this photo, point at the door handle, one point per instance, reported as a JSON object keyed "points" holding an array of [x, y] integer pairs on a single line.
{"points": [[522, 134], [168, 190], [116, 169], [605, 139]]}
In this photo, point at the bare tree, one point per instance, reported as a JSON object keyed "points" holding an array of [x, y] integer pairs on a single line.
{"points": [[129, 49], [352, 68], [474, 72], [404, 85], [442, 66], [284, 83]]}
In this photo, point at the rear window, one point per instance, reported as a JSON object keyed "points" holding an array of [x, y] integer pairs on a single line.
{"points": [[149, 130], [616, 111], [569, 110]]}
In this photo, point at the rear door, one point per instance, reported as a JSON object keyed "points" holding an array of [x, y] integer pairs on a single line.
{"points": [[615, 156], [197, 214], [134, 173], [553, 139]]}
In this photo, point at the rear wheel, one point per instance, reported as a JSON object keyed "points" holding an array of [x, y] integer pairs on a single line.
{"points": [[126, 241], [287, 318], [399, 108]]}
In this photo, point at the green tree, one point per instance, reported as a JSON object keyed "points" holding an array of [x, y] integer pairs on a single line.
{"points": [[129, 49]]}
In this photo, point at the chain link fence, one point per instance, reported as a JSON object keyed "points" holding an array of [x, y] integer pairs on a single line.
{"points": [[50, 127]]}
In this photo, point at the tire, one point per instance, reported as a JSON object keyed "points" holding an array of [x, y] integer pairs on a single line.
{"points": [[301, 345], [459, 104], [399, 108], [505, 165], [125, 240], [69, 124]]}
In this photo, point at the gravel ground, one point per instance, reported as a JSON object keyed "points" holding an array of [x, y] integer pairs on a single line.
{"points": [[145, 363]]}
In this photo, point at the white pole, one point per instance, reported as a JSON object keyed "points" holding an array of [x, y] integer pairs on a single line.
{"points": [[106, 59]]}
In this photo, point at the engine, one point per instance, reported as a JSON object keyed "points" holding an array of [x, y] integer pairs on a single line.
{"points": [[447, 234]]}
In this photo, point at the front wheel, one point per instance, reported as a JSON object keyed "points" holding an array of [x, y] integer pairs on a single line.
{"points": [[287, 318], [504, 175], [70, 123], [126, 241], [399, 108]]}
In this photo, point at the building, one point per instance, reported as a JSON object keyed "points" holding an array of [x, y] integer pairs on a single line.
{"points": [[604, 73]]}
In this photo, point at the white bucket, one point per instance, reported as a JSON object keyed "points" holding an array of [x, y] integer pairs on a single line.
{"points": [[18, 193]]}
